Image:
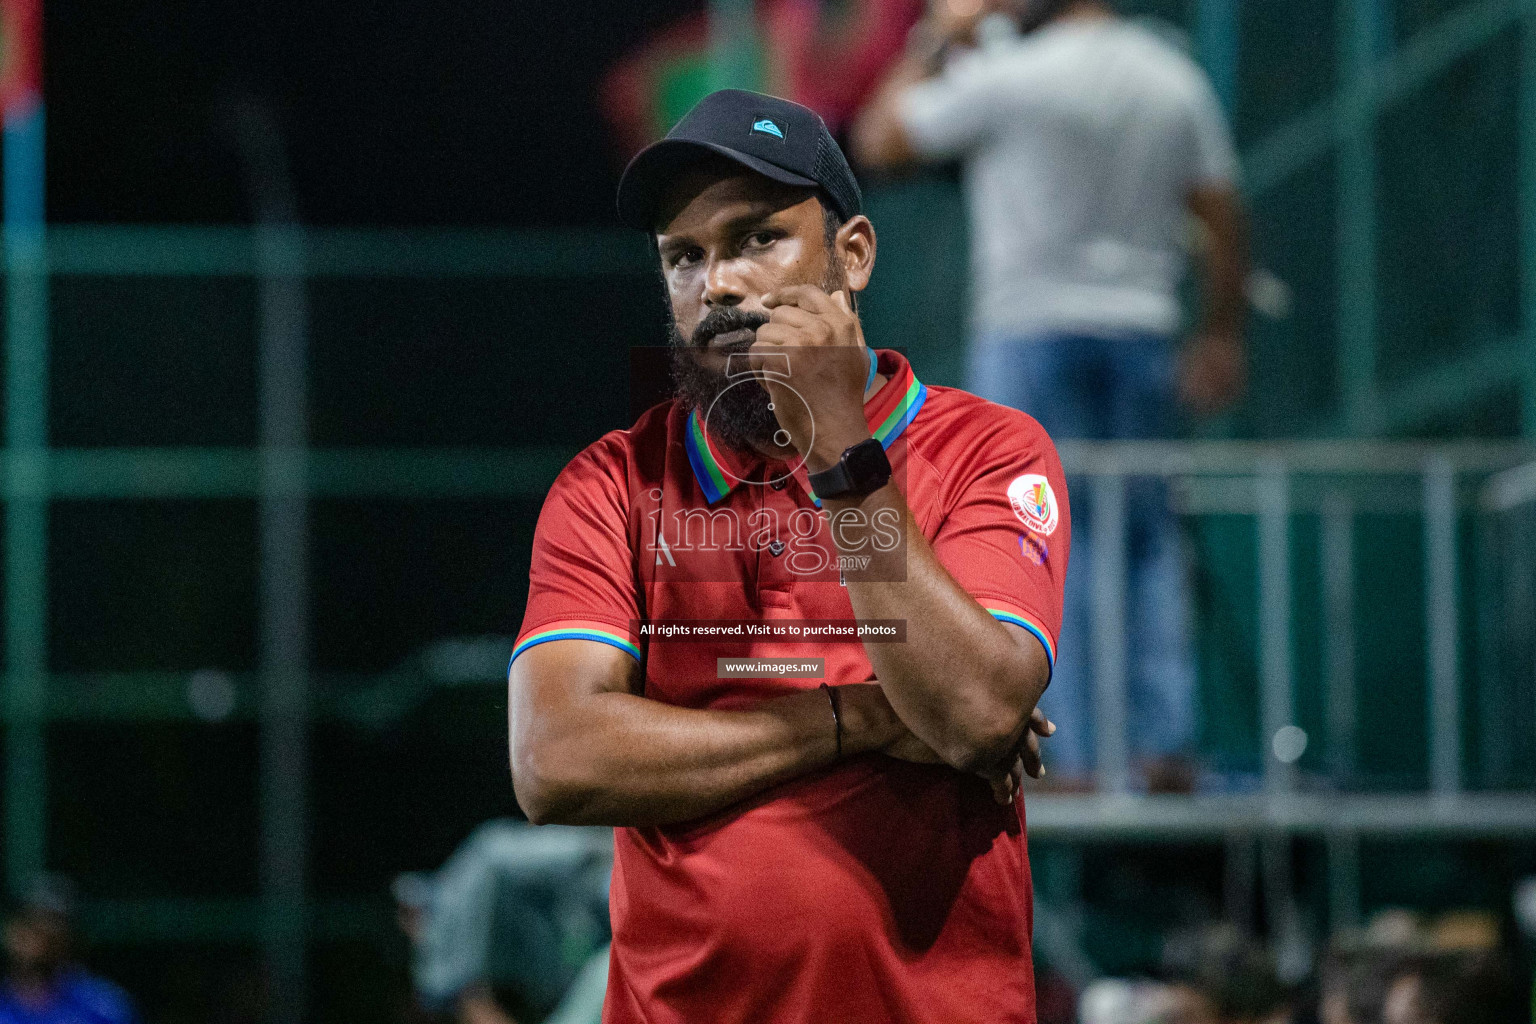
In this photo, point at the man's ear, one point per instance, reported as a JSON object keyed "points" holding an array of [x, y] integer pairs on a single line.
{"points": [[855, 246]]}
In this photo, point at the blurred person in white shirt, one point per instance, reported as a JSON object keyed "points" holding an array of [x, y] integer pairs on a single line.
{"points": [[1088, 143]]}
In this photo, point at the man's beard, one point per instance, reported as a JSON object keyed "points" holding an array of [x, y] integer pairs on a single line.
{"points": [[738, 416], [737, 406]]}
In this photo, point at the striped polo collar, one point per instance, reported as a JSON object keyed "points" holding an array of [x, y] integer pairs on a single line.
{"points": [[718, 469]]}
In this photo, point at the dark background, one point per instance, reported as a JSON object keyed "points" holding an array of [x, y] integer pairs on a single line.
{"points": [[473, 115], [395, 112]]}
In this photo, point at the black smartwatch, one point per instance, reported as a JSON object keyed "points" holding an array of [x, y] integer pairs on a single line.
{"points": [[863, 469]]}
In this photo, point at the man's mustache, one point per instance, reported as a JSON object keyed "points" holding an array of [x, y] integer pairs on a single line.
{"points": [[724, 320]]}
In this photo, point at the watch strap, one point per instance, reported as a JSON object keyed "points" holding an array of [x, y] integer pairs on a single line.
{"points": [[831, 482], [839, 480]]}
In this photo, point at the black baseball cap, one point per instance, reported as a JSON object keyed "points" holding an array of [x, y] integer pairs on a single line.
{"points": [[776, 138]]}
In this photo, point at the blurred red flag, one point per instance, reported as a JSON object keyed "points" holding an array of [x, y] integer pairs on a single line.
{"points": [[21, 49], [829, 62]]}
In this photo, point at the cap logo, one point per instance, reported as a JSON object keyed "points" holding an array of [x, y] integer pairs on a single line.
{"points": [[766, 126]]}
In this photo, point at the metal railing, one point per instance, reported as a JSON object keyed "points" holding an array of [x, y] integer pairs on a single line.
{"points": [[1275, 483]]}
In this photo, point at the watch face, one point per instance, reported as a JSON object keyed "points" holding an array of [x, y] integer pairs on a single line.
{"points": [[867, 465]]}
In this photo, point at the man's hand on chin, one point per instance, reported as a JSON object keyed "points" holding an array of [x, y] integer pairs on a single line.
{"points": [[821, 404]]}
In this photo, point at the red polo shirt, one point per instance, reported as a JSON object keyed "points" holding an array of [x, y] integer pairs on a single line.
{"points": [[873, 891]]}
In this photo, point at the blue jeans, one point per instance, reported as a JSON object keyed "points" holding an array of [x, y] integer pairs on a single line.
{"points": [[1097, 388]]}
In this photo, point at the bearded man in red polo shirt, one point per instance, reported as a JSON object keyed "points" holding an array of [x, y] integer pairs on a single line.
{"points": [[840, 843]]}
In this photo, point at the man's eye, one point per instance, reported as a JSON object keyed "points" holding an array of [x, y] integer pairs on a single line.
{"points": [[760, 238], [687, 257]]}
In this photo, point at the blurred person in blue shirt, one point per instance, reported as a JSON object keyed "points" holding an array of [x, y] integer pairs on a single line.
{"points": [[1089, 145], [43, 984]]}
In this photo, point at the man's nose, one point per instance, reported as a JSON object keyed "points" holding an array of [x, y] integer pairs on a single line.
{"points": [[724, 284]]}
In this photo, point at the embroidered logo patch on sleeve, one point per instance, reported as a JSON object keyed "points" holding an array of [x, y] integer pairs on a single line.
{"points": [[1034, 503]]}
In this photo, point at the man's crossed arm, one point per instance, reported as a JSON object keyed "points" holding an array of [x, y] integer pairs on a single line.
{"points": [[586, 749]]}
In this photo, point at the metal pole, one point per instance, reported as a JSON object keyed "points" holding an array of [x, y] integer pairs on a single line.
{"points": [[1277, 705], [1293, 953], [1239, 881], [1521, 625], [1220, 40], [1517, 645], [1359, 44], [1338, 576], [26, 421], [1494, 696], [284, 611], [1527, 205], [733, 62], [1343, 881], [1111, 714], [1442, 626]]}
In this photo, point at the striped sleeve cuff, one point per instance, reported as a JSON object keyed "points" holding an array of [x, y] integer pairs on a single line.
{"points": [[1017, 617], [579, 629]]}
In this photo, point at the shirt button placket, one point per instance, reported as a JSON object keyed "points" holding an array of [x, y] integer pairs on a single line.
{"points": [[777, 574]]}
